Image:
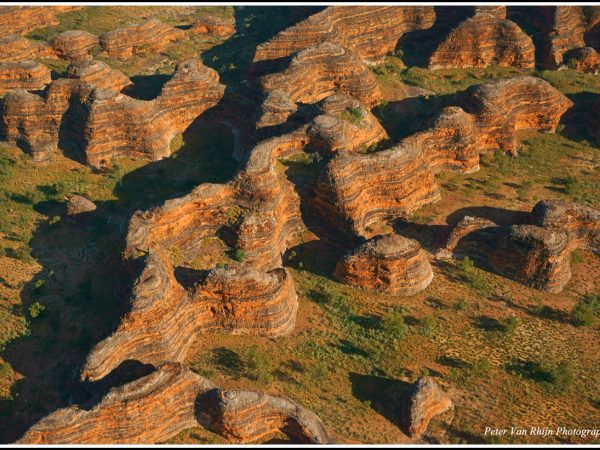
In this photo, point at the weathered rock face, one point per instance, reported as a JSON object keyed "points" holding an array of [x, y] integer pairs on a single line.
{"points": [[581, 223], [75, 45], [371, 31], [17, 48], [391, 263], [585, 59], [504, 106], [27, 75], [565, 28], [215, 26], [150, 36], [316, 73], [246, 416], [345, 124], [165, 318], [464, 227], [99, 74], [23, 19], [484, 40], [536, 254], [148, 410], [169, 400], [424, 400], [357, 190], [103, 123], [532, 255], [77, 204]]}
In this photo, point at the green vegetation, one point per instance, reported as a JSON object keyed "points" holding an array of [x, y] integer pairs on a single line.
{"points": [[35, 309], [238, 255], [354, 115], [258, 365], [475, 277], [586, 311]]}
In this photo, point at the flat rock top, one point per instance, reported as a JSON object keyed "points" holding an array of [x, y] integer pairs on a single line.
{"points": [[387, 246]]}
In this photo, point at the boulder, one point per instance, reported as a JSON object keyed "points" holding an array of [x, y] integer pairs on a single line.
{"points": [[423, 401]]}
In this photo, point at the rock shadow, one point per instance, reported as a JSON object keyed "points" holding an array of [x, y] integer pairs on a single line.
{"points": [[384, 394]]}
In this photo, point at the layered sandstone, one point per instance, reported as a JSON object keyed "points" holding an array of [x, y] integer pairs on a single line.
{"points": [[581, 223], [165, 318], [140, 39], [423, 401], [214, 26], [156, 407], [316, 73], [371, 31], [28, 75], [464, 227], [75, 45], [17, 48], [148, 410], [348, 195], [103, 123], [390, 263], [536, 254], [246, 416], [504, 106], [23, 19], [584, 59], [484, 40], [345, 124], [98, 74]]}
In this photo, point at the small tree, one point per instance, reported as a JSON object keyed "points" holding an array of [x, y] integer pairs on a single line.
{"points": [[35, 309], [582, 315]]}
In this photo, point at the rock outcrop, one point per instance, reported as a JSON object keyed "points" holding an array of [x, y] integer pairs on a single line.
{"points": [[140, 39], [246, 416], [169, 400], [584, 59], [357, 190], [214, 26], [581, 223], [165, 318], [75, 45], [17, 48], [370, 31], [484, 40], [537, 253], [423, 401], [98, 74], [345, 124], [259, 212], [148, 410], [103, 123], [23, 19], [504, 106], [388, 263], [28, 75], [77, 204], [313, 74]]}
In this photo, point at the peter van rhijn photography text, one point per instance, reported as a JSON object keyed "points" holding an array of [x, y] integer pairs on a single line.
{"points": [[242, 224]]}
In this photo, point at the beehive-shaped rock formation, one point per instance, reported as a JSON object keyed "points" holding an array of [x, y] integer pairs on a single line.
{"points": [[169, 400], [27, 75], [246, 416], [165, 318], [23, 19], [484, 40], [139, 39], [371, 31], [75, 45], [316, 73], [17, 48], [345, 124], [215, 26], [423, 401], [357, 190], [390, 263], [504, 106], [98, 74], [103, 123]]}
